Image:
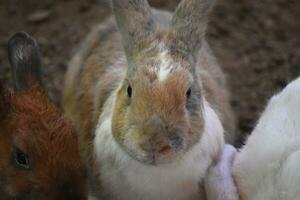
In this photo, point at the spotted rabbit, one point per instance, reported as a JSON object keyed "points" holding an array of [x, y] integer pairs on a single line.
{"points": [[149, 101]]}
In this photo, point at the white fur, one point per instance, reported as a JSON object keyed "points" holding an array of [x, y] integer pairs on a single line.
{"points": [[268, 167], [165, 67], [125, 178], [167, 63]]}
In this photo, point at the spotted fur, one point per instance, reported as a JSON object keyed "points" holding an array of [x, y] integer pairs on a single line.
{"points": [[171, 84]]}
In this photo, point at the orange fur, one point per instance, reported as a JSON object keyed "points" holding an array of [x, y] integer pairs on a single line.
{"points": [[39, 155], [36, 126]]}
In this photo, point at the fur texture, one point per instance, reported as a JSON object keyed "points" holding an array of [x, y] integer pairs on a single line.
{"points": [[177, 180], [267, 167], [39, 156], [143, 95], [190, 21]]}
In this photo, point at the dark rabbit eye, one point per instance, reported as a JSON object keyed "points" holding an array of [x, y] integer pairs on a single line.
{"points": [[21, 159], [188, 93], [129, 91]]}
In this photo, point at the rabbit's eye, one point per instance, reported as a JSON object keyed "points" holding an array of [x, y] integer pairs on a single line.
{"points": [[129, 91], [21, 159], [188, 93]]}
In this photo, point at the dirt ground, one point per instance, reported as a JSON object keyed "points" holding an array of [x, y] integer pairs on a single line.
{"points": [[257, 43]]}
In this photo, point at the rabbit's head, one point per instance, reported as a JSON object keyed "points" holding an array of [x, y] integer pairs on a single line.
{"points": [[158, 111], [39, 157]]}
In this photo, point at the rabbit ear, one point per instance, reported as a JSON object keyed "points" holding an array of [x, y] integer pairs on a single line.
{"points": [[24, 57], [135, 22], [190, 20]]}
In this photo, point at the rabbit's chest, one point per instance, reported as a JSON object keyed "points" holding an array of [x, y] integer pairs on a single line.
{"points": [[125, 178], [149, 184], [156, 189]]}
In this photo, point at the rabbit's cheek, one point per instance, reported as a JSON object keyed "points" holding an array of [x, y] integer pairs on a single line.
{"points": [[176, 142], [17, 188]]}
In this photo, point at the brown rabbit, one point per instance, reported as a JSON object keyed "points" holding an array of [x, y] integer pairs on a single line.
{"points": [[39, 157], [148, 99]]}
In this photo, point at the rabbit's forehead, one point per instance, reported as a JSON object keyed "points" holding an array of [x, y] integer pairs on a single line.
{"points": [[166, 65], [166, 94], [51, 150], [160, 63], [39, 127]]}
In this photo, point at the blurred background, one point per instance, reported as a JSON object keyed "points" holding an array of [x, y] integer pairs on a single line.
{"points": [[257, 42]]}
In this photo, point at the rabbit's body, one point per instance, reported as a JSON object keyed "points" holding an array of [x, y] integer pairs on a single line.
{"points": [[91, 99], [268, 165]]}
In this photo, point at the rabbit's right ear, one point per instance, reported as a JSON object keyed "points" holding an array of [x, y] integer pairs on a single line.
{"points": [[135, 22], [24, 57], [190, 21]]}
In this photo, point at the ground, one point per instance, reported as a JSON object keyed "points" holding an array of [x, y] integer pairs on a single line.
{"points": [[256, 42]]}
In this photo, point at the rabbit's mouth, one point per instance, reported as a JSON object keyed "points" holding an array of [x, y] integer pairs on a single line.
{"points": [[153, 147], [164, 155]]}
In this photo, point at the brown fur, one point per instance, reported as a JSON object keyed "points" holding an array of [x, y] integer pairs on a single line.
{"points": [[31, 123], [36, 126], [83, 104]]}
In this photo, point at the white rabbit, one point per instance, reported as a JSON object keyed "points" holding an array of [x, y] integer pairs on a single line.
{"points": [[149, 103], [267, 167]]}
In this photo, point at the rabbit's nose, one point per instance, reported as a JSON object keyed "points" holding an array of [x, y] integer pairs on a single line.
{"points": [[165, 149], [155, 127], [156, 144], [155, 123], [156, 149]]}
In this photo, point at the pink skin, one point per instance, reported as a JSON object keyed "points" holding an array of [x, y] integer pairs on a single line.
{"points": [[219, 184]]}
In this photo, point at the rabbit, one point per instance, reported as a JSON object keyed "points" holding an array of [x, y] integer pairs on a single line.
{"points": [[149, 102], [39, 155], [267, 166]]}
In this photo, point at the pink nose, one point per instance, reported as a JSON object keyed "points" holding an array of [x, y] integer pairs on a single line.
{"points": [[164, 150], [156, 147]]}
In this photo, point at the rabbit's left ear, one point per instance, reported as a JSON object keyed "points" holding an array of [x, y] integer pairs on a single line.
{"points": [[135, 22], [189, 22], [24, 57]]}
